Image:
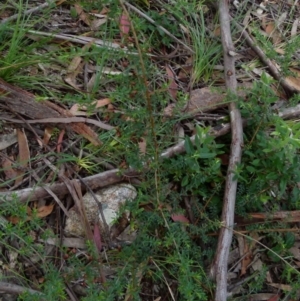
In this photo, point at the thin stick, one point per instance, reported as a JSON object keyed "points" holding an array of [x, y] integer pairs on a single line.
{"points": [[28, 12], [272, 68], [16, 289], [98, 123], [58, 201], [220, 265], [158, 26]]}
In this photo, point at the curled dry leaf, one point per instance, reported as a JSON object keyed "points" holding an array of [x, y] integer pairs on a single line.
{"points": [[44, 211], [47, 135], [78, 110], [41, 212]]}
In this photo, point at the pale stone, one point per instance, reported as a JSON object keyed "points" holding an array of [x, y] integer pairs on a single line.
{"points": [[111, 199]]}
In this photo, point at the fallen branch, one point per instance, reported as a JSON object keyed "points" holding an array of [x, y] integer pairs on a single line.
{"points": [[60, 189], [289, 89], [11, 288], [28, 12], [158, 26], [219, 267], [59, 120], [290, 113], [255, 217]]}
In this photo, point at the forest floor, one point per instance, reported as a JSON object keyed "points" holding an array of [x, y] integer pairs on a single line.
{"points": [[149, 151]]}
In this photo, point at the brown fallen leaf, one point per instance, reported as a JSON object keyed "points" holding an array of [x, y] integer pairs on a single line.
{"points": [[272, 31], [79, 128], [73, 70], [24, 154], [44, 211], [247, 258], [60, 140], [168, 110], [84, 17], [294, 29], [78, 110], [294, 81], [9, 172], [41, 212], [47, 134], [203, 100]]}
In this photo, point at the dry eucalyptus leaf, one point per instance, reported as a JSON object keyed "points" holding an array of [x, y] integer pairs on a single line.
{"points": [[7, 167], [294, 81], [84, 17], [204, 100], [294, 29], [24, 154], [273, 32]]}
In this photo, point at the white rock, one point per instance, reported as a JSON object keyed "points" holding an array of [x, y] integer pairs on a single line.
{"points": [[111, 199]]}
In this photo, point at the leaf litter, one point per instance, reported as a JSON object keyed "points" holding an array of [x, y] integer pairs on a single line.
{"points": [[186, 105]]}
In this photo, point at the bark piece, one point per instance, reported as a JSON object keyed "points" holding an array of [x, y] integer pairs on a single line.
{"points": [[23, 102]]}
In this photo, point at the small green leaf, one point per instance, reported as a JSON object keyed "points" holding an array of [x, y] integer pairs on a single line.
{"points": [[188, 145], [282, 184], [251, 169], [185, 181], [207, 155], [256, 162], [289, 240]]}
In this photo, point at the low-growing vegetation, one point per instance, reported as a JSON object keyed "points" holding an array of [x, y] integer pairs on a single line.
{"points": [[139, 89]]}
